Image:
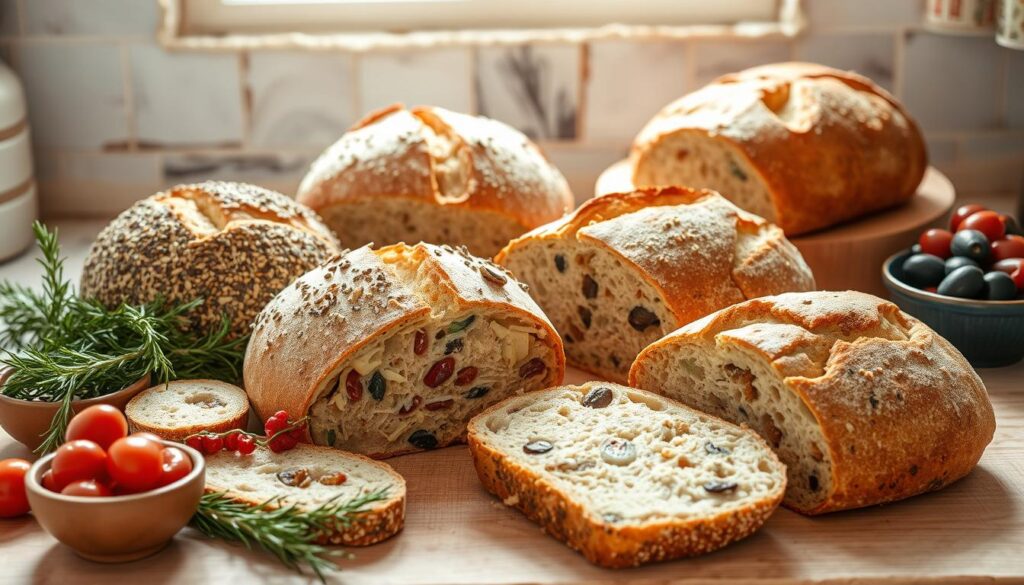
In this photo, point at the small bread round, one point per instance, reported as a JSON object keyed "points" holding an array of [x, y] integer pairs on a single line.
{"points": [[428, 174], [233, 245], [181, 408]]}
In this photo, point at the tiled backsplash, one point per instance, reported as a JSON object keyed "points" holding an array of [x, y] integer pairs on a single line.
{"points": [[116, 117]]}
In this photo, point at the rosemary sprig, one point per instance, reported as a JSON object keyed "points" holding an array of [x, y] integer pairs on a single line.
{"points": [[287, 532]]}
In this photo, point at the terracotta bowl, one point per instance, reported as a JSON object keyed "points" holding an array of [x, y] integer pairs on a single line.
{"points": [[28, 420], [119, 528]]}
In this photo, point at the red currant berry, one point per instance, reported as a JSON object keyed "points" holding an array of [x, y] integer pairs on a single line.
{"points": [[212, 444], [277, 422], [246, 445], [195, 441], [231, 441]]}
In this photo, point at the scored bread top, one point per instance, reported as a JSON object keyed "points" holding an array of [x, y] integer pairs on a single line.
{"points": [[827, 143], [308, 330], [443, 157], [884, 387], [697, 249]]}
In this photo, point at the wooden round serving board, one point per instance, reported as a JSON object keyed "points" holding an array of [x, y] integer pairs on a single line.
{"points": [[850, 255]]}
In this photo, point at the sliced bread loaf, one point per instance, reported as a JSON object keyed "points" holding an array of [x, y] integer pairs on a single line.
{"points": [[625, 476], [180, 408], [308, 477]]}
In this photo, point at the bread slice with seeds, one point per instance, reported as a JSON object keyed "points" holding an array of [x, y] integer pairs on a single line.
{"points": [[391, 351], [309, 477], [626, 268], [625, 476], [864, 403], [180, 408]]}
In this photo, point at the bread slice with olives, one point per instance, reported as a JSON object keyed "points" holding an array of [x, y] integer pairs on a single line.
{"points": [[308, 477], [625, 476], [393, 350], [864, 403], [626, 268]]}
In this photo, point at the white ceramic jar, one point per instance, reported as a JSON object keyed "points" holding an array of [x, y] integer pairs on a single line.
{"points": [[17, 186]]}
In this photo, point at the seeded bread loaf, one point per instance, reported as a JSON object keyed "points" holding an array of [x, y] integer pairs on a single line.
{"points": [[394, 350], [234, 245], [309, 477], [624, 476], [864, 403], [428, 174], [181, 408], [802, 145], [626, 268]]}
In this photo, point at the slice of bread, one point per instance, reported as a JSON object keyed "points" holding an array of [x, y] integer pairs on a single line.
{"points": [[180, 408], [309, 476], [625, 476]]}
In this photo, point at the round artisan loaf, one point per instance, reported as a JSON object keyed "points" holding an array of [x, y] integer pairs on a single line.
{"points": [[394, 350], [862, 402], [428, 174], [626, 268], [232, 244], [802, 145], [181, 408]]}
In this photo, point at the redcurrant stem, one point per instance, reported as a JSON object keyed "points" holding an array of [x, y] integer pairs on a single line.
{"points": [[261, 440]]}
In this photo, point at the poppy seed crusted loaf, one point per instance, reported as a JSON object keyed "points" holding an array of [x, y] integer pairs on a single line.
{"points": [[235, 245]]}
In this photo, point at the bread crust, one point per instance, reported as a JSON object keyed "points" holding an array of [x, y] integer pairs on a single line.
{"points": [[600, 542], [900, 416], [387, 155], [829, 145], [313, 326]]}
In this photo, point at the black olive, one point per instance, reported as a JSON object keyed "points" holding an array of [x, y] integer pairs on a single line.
{"points": [[641, 318], [971, 243], [423, 440], [477, 392], [713, 449], [718, 487], [378, 386], [584, 316], [589, 287], [537, 447], [966, 282], [923, 270], [599, 397], [999, 287], [812, 482], [560, 262], [453, 346], [331, 437], [954, 262]]}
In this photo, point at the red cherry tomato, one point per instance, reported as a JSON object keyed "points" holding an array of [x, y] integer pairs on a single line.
{"points": [[986, 222], [1018, 278], [135, 463], [1010, 247], [176, 466], [88, 488], [102, 424], [48, 482], [13, 501], [148, 435], [1008, 265], [936, 242], [961, 214], [78, 460]]}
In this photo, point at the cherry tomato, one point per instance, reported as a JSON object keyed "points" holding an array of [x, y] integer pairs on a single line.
{"points": [[1018, 278], [936, 242], [176, 466], [148, 435], [986, 222], [135, 463], [48, 482], [1008, 265], [102, 424], [87, 488], [1010, 247], [246, 445], [961, 214], [76, 460], [13, 501], [212, 444]]}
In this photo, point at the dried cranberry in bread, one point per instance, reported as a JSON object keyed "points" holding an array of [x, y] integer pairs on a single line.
{"points": [[624, 476], [428, 174], [626, 268], [394, 350], [863, 403], [804, 146], [234, 245]]}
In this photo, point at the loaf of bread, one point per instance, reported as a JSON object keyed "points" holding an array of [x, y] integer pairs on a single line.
{"points": [[234, 245], [428, 174], [308, 477], [624, 476], [863, 403], [181, 408], [394, 350], [802, 145], [625, 269]]}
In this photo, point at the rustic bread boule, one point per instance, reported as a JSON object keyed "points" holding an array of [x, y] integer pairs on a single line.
{"points": [[429, 174], [864, 403], [181, 408], [624, 476], [626, 268], [234, 245]]}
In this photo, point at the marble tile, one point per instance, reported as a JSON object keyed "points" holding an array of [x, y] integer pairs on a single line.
{"points": [[438, 77], [581, 165], [629, 82], [889, 14], [279, 172], [9, 20], [951, 83], [184, 98], [715, 58], [872, 55], [91, 17], [300, 98], [1015, 89], [534, 88], [75, 94]]}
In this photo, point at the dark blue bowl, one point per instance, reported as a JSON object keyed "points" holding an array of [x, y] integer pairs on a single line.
{"points": [[989, 333]]}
